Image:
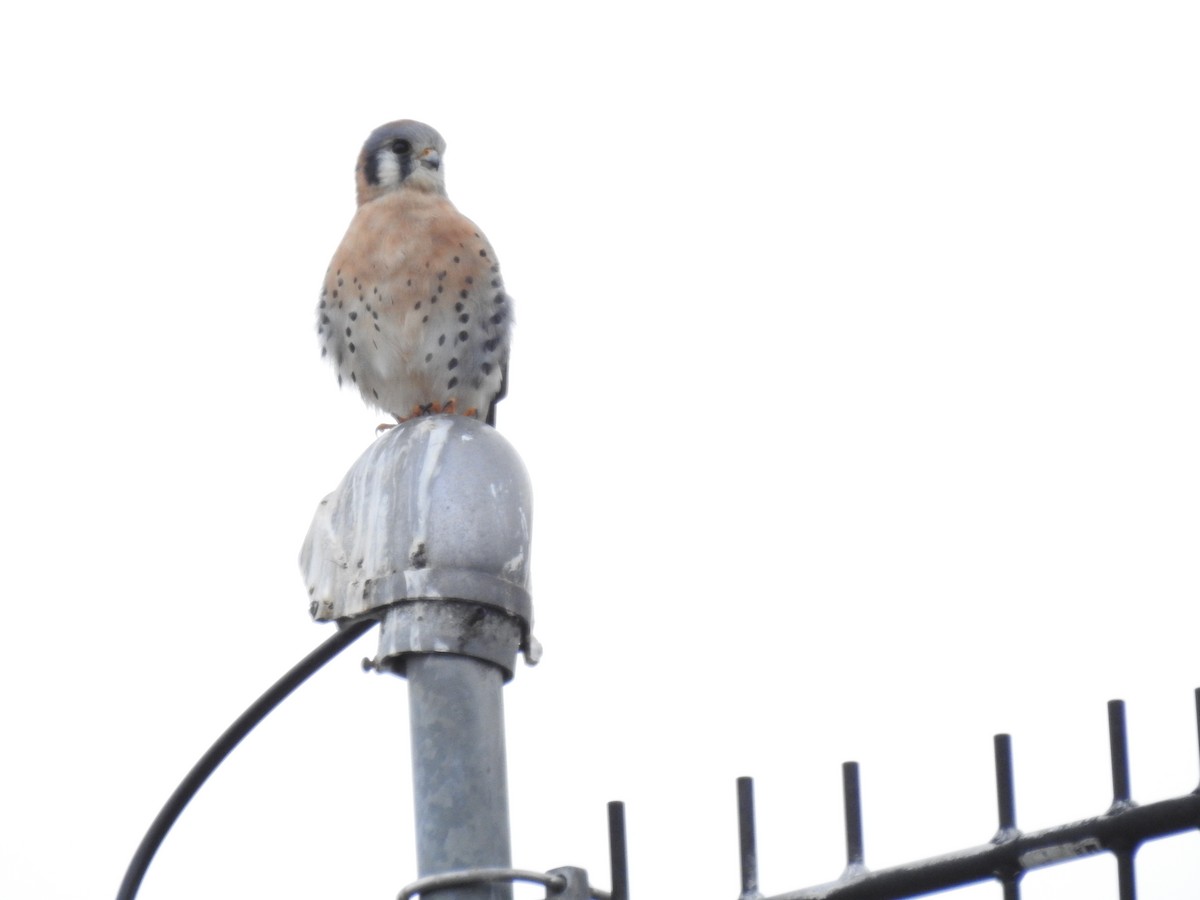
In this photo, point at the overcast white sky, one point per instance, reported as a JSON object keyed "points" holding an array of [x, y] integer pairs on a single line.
{"points": [[856, 373]]}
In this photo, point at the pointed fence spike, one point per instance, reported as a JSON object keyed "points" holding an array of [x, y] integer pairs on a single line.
{"points": [[1006, 801], [1119, 751], [746, 837], [617, 850], [1006, 804], [852, 801]]}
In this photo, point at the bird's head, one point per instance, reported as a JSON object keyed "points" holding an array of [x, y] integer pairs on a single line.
{"points": [[400, 155]]}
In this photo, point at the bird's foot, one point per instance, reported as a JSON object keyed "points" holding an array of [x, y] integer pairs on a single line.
{"points": [[449, 408], [433, 409]]}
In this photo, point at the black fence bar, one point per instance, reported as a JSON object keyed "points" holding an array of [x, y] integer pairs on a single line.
{"points": [[1021, 854], [1120, 831], [1118, 743], [1006, 792], [852, 801], [746, 838], [617, 851], [1126, 881], [1006, 805]]}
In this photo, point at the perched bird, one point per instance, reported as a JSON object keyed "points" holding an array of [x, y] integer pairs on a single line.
{"points": [[413, 311]]}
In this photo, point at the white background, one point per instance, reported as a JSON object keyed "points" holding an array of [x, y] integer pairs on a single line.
{"points": [[856, 371]]}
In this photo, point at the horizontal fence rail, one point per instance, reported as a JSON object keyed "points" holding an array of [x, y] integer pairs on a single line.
{"points": [[1121, 830]]}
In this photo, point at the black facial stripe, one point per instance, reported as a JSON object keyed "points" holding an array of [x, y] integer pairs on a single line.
{"points": [[406, 165], [371, 169]]}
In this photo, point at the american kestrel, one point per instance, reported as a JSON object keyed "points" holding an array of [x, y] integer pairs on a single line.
{"points": [[413, 311]]}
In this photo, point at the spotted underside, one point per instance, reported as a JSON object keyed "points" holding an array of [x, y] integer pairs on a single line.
{"points": [[413, 310]]}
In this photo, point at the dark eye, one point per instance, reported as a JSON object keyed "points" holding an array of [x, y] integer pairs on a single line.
{"points": [[401, 147]]}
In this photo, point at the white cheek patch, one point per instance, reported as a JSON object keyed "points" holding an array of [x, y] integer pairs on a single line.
{"points": [[387, 167]]}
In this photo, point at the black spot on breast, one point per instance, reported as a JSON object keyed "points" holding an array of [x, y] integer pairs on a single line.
{"points": [[335, 295], [470, 280], [423, 319], [353, 316], [428, 357], [441, 340], [498, 318], [354, 377], [453, 364], [499, 298], [324, 320], [321, 305], [465, 318], [441, 275], [456, 258], [462, 335], [376, 326], [348, 331], [417, 305], [375, 392], [352, 346], [485, 368], [340, 282], [464, 294], [490, 345], [452, 383], [483, 253], [458, 307]]}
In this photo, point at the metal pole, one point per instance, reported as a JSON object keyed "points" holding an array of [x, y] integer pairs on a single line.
{"points": [[430, 533], [460, 788]]}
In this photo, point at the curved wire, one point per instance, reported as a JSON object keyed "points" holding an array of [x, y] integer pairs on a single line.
{"points": [[216, 754]]}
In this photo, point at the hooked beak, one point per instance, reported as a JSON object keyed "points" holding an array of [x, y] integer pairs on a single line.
{"points": [[431, 159]]}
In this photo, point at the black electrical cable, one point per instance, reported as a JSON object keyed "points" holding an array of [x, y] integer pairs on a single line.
{"points": [[224, 745]]}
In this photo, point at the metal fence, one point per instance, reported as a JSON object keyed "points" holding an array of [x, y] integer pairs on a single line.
{"points": [[453, 617], [1121, 831]]}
